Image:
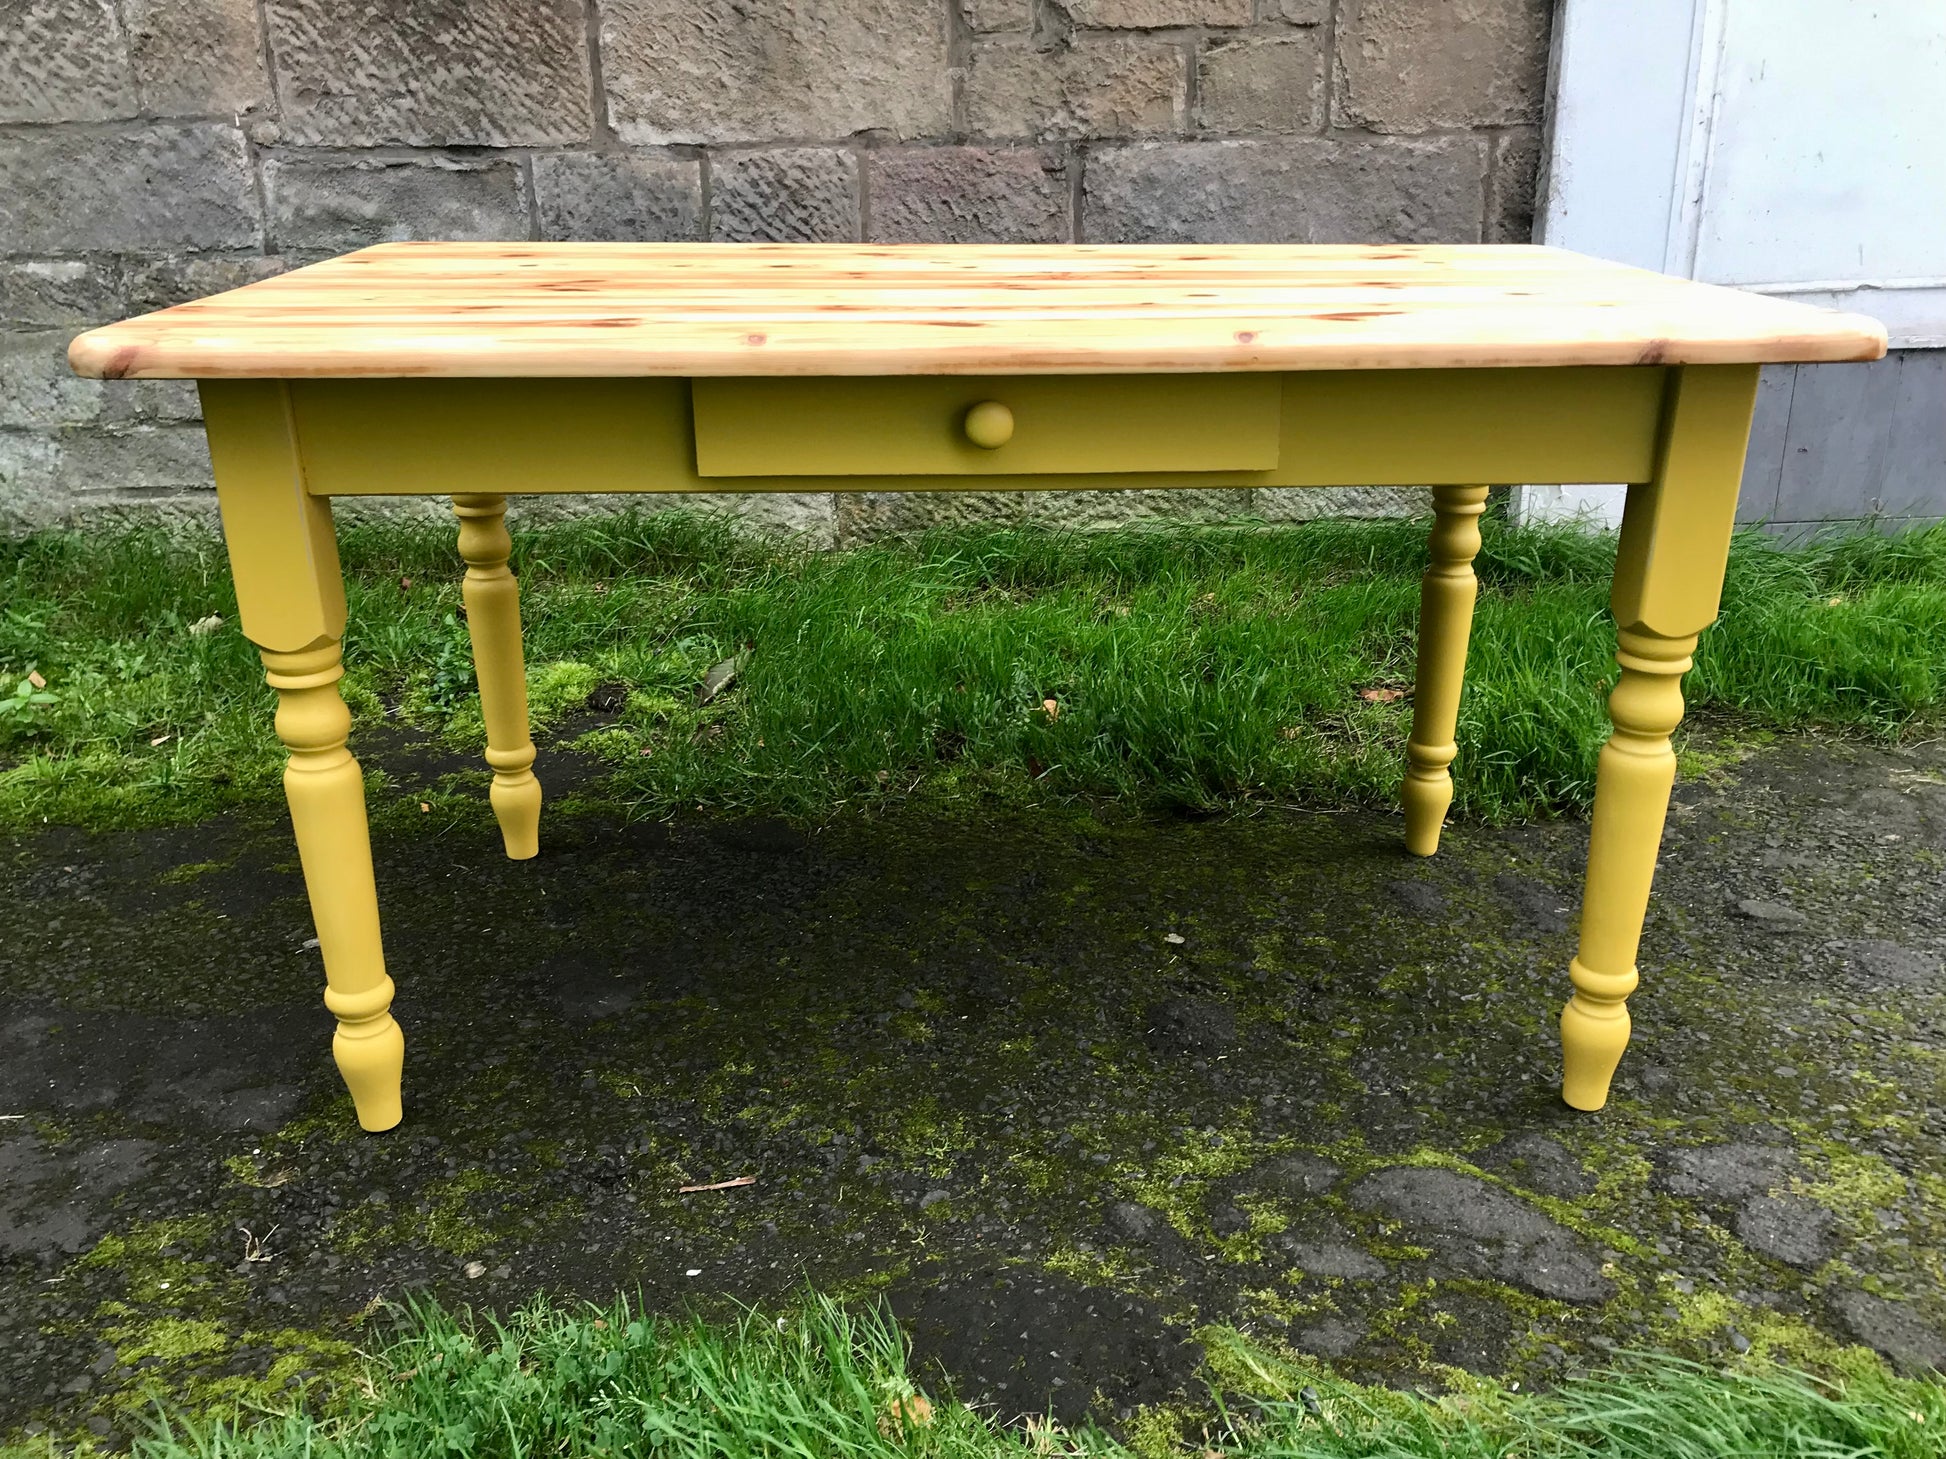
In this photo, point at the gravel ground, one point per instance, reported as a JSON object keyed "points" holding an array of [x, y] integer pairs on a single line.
{"points": [[1064, 1087]]}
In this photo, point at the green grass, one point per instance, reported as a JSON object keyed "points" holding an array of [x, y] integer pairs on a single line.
{"points": [[1201, 667], [820, 1381]]}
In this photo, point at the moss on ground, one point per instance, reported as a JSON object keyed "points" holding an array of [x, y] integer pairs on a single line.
{"points": [[953, 1045], [173, 1336]]}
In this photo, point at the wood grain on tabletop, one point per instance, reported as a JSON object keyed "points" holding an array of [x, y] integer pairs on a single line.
{"points": [[611, 309]]}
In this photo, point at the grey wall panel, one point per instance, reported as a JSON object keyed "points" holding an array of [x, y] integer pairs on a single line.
{"points": [[1757, 502], [1861, 442], [1916, 482]]}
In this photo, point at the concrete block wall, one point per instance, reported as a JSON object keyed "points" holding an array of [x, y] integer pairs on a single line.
{"points": [[155, 150]]}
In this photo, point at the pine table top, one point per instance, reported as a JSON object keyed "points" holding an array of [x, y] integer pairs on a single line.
{"points": [[674, 309]]}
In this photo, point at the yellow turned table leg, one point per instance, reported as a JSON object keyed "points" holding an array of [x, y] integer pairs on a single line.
{"points": [[1446, 595], [291, 600], [327, 800], [1636, 772], [493, 619], [1668, 581]]}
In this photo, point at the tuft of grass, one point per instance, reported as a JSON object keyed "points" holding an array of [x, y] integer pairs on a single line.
{"points": [[1201, 667], [824, 1381], [617, 1382], [1648, 1406]]}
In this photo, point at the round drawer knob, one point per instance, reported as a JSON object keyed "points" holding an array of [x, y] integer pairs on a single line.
{"points": [[989, 424]]}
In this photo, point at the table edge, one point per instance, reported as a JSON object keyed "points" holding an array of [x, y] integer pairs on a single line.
{"points": [[102, 354]]}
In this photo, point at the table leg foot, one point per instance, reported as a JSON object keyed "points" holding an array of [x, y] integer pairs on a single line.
{"points": [[1427, 793], [326, 792], [370, 1053], [1446, 595], [493, 622], [516, 800], [1594, 1032]]}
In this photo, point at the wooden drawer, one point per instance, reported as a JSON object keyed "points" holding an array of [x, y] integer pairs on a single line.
{"points": [[924, 425]]}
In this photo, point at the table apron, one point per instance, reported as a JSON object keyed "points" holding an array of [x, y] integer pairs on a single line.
{"points": [[427, 437]]}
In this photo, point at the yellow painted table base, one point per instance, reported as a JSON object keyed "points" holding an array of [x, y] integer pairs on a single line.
{"points": [[1674, 542], [476, 371]]}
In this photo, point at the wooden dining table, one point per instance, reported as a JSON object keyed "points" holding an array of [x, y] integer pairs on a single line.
{"points": [[483, 370]]}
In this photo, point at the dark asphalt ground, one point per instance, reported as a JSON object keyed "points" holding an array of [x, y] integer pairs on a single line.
{"points": [[1063, 1086]]}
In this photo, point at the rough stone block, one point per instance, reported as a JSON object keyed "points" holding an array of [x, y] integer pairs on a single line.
{"points": [[1300, 190], [968, 195], [159, 283], [807, 517], [38, 392], [1157, 14], [148, 189], [490, 73], [152, 400], [785, 195], [718, 71], [991, 15], [57, 291], [1260, 84], [804, 516], [1308, 503], [343, 203], [1083, 509], [149, 461], [1298, 12], [28, 462], [47, 479], [1410, 66], [1100, 86], [1510, 191], [41, 391], [810, 517], [868, 516], [37, 389], [63, 61], [642, 198], [197, 57]]}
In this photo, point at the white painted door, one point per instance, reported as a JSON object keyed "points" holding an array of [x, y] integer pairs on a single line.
{"points": [[1793, 147]]}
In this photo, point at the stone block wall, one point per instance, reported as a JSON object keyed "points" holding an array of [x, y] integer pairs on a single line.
{"points": [[155, 150]]}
